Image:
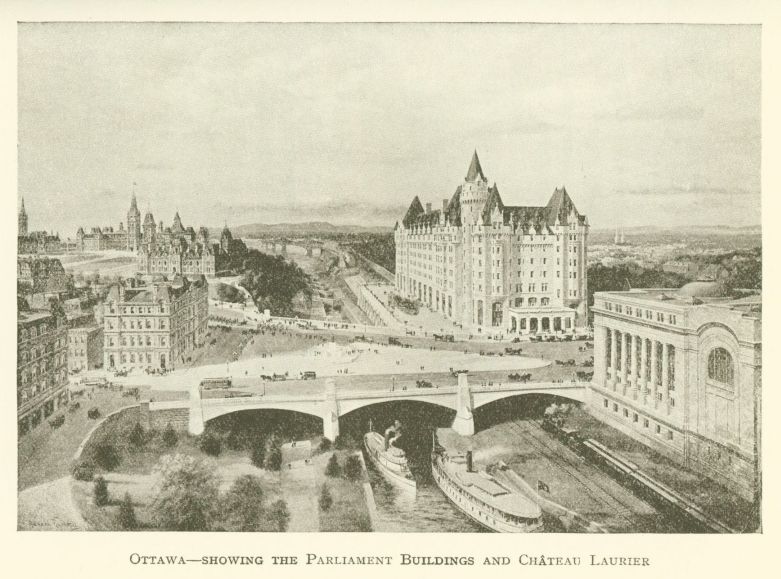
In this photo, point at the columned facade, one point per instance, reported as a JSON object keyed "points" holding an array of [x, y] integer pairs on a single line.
{"points": [[682, 376]]}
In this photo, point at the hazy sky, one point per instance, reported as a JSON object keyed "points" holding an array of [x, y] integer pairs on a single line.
{"points": [[346, 123]]}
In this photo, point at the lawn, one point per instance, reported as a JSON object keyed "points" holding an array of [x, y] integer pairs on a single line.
{"points": [[134, 473], [46, 454], [349, 512]]}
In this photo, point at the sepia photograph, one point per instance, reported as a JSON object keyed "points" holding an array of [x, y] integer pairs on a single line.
{"points": [[406, 277]]}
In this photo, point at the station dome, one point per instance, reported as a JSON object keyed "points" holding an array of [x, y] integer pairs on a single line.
{"points": [[703, 289]]}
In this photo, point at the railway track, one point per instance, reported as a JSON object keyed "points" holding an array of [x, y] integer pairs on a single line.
{"points": [[573, 467]]}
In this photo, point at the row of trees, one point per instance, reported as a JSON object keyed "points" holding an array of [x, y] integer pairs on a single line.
{"points": [[188, 498], [274, 282]]}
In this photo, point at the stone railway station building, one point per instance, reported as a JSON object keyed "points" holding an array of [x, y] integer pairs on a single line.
{"points": [[681, 372]]}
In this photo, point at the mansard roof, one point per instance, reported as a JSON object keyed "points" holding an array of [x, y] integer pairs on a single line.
{"points": [[475, 169]]}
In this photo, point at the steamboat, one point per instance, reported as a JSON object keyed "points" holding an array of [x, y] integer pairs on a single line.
{"points": [[388, 458], [480, 496]]}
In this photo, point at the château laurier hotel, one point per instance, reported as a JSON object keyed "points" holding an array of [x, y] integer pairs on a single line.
{"points": [[495, 267]]}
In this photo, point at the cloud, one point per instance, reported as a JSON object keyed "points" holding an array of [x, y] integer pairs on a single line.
{"points": [[657, 112], [153, 167], [693, 190]]}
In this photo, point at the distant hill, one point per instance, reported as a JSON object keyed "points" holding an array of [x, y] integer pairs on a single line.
{"points": [[691, 229], [306, 228]]}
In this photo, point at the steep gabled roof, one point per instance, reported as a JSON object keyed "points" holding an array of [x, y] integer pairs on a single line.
{"points": [[453, 211], [559, 206], [415, 210], [475, 169], [494, 200]]}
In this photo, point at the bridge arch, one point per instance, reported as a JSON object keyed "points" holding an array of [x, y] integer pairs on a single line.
{"points": [[212, 411], [443, 401], [503, 407]]}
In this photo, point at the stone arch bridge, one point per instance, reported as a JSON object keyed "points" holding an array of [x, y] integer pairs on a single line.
{"points": [[332, 404]]}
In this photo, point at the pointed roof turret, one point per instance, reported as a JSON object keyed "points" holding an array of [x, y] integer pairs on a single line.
{"points": [[414, 211], [475, 170]]}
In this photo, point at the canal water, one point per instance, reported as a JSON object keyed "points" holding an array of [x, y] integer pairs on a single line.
{"points": [[400, 511]]}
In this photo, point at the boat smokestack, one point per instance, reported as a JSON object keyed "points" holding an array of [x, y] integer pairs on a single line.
{"points": [[468, 461]]}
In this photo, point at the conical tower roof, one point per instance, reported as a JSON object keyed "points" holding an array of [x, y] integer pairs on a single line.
{"points": [[475, 170]]}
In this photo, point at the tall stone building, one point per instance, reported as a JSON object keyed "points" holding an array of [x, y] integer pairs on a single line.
{"points": [[681, 371], [22, 230], [108, 238], [487, 265], [133, 226], [29, 242], [41, 366], [154, 325]]}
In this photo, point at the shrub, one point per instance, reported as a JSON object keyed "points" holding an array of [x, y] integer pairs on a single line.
{"points": [[333, 468], [325, 445], [187, 496], [126, 517], [84, 470], [243, 505], [107, 457], [279, 515], [326, 500], [93, 413], [210, 444], [345, 442], [57, 421], [258, 454], [170, 438], [353, 467], [100, 492], [137, 436], [273, 459]]}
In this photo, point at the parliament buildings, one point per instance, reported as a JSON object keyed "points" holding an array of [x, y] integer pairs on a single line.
{"points": [[490, 266]]}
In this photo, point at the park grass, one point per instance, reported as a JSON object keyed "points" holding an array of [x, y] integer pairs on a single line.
{"points": [[349, 512], [45, 454]]}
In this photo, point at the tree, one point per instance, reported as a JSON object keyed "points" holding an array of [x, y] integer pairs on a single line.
{"points": [[242, 505], [273, 459], [100, 492], [333, 468], [187, 494], [258, 454], [126, 517], [107, 457], [325, 445], [137, 436], [84, 470], [344, 442], [326, 500], [210, 444], [170, 438], [353, 469], [279, 515]]}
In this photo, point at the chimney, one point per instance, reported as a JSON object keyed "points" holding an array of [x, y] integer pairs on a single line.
{"points": [[468, 461], [444, 205], [428, 208]]}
